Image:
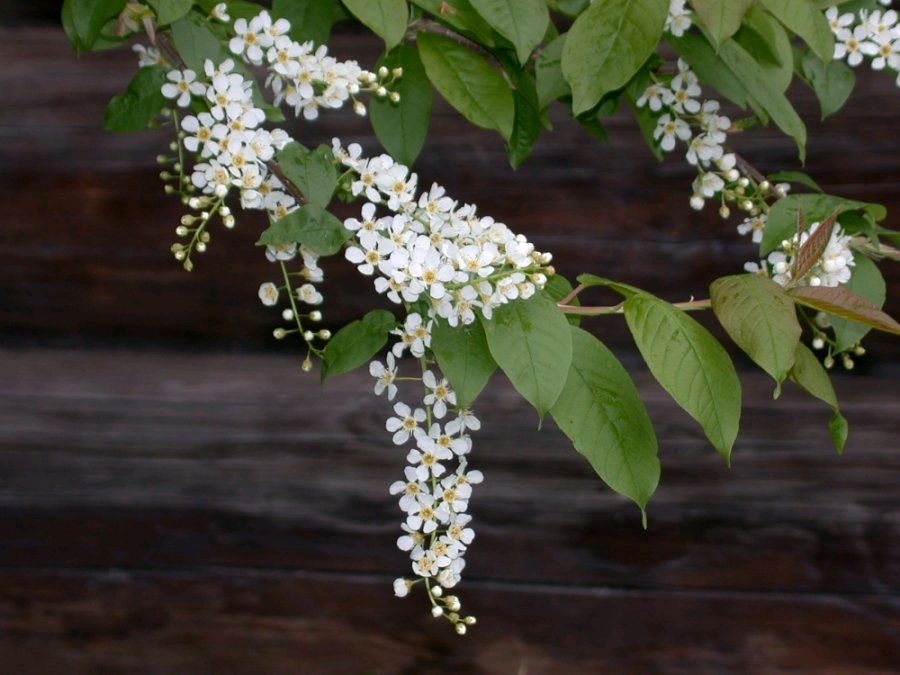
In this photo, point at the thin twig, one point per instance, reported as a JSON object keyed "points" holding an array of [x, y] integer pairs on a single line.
{"points": [[690, 306]]}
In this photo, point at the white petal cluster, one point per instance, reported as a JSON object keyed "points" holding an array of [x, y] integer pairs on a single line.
{"points": [[301, 75], [679, 18], [426, 246], [874, 34], [832, 269]]}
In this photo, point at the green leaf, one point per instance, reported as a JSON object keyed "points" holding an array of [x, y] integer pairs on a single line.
{"points": [[689, 364], [550, 82], [385, 18], [463, 355], [312, 171], [601, 411], [356, 343], [195, 43], [531, 342], [141, 102], [88, 18], [168, 11], [832, 83], [709, 67], [522, 22], [782, 218], [311, 226], [839, 301], [558, 287], [402, 127], [807, 21], [796, 177], [607, 45], [810, 376], [468, 83], [460, 15], [310, 19], [527, 125], [866, 281], [761, 319], [722, 18], [765, 92], [768, 43]]}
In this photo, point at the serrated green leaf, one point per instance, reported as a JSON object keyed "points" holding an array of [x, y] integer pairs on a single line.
{"points": [[531, 342], [195, 43], [806, 20], [386, 18], [689, 364], [550, 82], [866, 281], [721, 18], [402, 127], [310, 19], [310, 225], [356, 343], [312, 171], [84, 19], [460, 15], [601, 411], [168, 11], [781, 223], [141, 102], [522, 22], [832, 83], [761, 319], [527, 124], [468, 83], [810, 376], [709, 67], [463, 356], [607, 45], [768, 43]]}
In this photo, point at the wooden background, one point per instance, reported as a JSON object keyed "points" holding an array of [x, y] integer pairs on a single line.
{"points": [[178, 497]]}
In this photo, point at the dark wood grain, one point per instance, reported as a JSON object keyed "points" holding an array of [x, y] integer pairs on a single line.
{"points": [[84, 244]]}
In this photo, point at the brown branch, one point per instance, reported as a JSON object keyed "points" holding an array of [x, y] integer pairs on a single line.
{"points": [[291, 187]]}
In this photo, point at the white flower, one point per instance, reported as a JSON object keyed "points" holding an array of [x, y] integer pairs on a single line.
{"points": [[385, 376], [886, 52], [149, 56], [268, 293], [426, 458], [850, 44], [410, 490], [426, 515], [708, 184], [415, 335], [838, 21], [444, 439], [465, 419], [406, 424], [440, 395], [246, 41], [281, 252], [669, 128], [402, 587], [678, 19], [220, 12], [308, 294], [456, 528], [181, 86], [656, 96], [754, 224]]}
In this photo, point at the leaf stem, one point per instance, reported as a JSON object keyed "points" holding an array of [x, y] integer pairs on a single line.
{"points": [[689, 306]]}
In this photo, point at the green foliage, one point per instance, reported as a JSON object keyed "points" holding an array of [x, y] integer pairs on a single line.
{"points": [[768, 43], [468, 83], [796, 177], [558, 287], [550, 82], [843, 303], [313, 171], [531, 342], [402, 127], [310, 225], [761, 318], [868, 283], [806, 20], [195, 43], [782, 218], [709, 67], [721, 18], [809, 375], [83, 20], [461, 16], [601, 411], [832, 83], [522, 22], [386, 18], [463, 355], [356, 343], [141, 102], [607, 45], [168, 11], [689, 364], [310, 19], [528, 119]]}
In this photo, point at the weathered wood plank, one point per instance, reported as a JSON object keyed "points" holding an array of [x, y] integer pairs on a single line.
{"points": [[84, 246], [148, 459], [282, 622]]}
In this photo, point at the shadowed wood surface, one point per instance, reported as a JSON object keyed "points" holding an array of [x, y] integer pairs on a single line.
{"points": [[179, 510]]}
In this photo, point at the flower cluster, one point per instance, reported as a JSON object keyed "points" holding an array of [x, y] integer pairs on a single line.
{"points": [[429, 247], [874, 34], [678, 19], [832, 268], [433, 496]]}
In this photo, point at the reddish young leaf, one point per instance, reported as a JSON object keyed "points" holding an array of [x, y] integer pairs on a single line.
{"points": [[815, 245], [841, 302]]}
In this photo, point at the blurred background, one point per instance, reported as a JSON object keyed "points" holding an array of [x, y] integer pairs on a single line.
{"points": [[178, 497]]}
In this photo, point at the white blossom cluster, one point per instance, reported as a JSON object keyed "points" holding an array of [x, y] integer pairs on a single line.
{"points": [[832, 269], [874, 34], [301, 75], [683, 117], [433, 495], [678, 19], [427, 246]]}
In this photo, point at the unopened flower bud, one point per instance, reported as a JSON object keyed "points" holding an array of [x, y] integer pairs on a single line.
{"points": [[381, 92], [437, 591], [848, 362], [359, 108], [859, 350], [279, 333], [470, 620], [315, 316], [201, 247], [224, 211], [460, 629], [765, 185], [161, 159], [697, 202], [324, 334], [732, 175], [308, 335], [743, 182], [724, 212], [188, 219], [221, 190], [818, 343], [395, 97], [181, 230], [397, 72], [436, 612], [306, 366], [180, 255], [747, 205], [828, 362], [194, 203], [288, 315], [383, 72], [228, 221], [353, 88]]}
